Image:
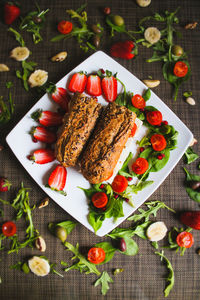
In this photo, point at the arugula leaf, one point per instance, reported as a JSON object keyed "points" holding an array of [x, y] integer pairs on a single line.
{"points": [[16, 266], [104, 280], [18, 37], [53, 270], [153, 207], [170, 277], [155, 245], [190, 156], [6, 110], [193, 194], [83, 265]]}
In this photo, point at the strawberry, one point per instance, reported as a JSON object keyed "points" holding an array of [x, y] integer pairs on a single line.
{"points": [[42, 156], [11, 13], [43, 135], [109, 86], [123, 50], [93, 87], [61, 97], [57, 179], [4, 184], [191, 219], [77, 83], [47, 118]]}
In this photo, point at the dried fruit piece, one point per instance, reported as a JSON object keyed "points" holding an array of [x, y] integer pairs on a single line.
{"points": [[191, 25], [40, 244], [20, 53], [4, 68], [59, 56], [151, 83], [38, 78]]}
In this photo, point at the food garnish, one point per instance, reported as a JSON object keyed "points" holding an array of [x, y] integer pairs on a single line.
{"points": [[78, 83], [104, 280], [190, 156], [37, 78], [191, 219], [11, 13], [93, 85], [6, 109], [5, 184], [9, 228], [42, 156], [47, 118], [96, 255], [126, 50], [59, 56], [192, 186], [57, 179], [20, 53]]}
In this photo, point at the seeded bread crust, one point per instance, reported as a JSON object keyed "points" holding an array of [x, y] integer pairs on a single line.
{"points": [[78, 125], [107, 142]]}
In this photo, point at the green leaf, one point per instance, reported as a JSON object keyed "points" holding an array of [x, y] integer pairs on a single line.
{"points": [[18, 37], [131, 247], [109, 250], [114, 27], [170, 277], [104, 280], [16, 266], [95, 220], [68, 225], [138, 187], [155, 245], [187, 94], [190, 156], [147, 95], [117, 271], [125, 169], [193, 194]]}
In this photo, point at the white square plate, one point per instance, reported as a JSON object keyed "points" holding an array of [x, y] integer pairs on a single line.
{"points": [[75, 203]]}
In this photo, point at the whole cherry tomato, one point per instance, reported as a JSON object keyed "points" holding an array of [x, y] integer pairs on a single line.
{"points": [[9, 228]]}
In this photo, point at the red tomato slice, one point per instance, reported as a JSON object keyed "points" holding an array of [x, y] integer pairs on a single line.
{"points": [[185, 239], [65, 27], [96, 255], [119, 184], [138, 101], [9, 228], [154, 117], [99, 199], [158, 142], [134, 129], [180, 69], [140, 166]]}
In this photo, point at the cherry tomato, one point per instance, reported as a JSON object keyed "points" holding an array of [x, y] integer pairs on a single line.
{"points": [[185, 239], [133, 131], [138, 101], [9, 228], [99, 199], [119, 184], [140, 166], [96, 255], [65, 27], [154, 117], [180, 69], [158, 142]]}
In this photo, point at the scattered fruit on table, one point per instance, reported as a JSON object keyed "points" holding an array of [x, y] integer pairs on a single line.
{"points": [[107, 10], [40, 244], [93, 86], [191, 25], [177, 50], [11, 13], [61, 233], [42, 156], [180, 69], [47, 118], [4, 184], [59, 57], [57, 179], [65, 27], [190, 101], [118, 20], [152, 35], [156, 231], [96, 255], [123, 50], [39, 266], [4, 68], [122, 245], [143, 3], [191, 219], [151, 83], [43, 135], [185, 239], [44, 203], [38, 78], [20, 53], [77, 83], [193, 142], [9, 228], [109, 87]]}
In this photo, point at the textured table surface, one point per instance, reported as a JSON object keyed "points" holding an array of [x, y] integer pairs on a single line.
{"points": [[144, 275]]}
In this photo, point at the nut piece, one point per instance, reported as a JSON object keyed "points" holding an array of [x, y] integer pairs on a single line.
{"points": [[193, 142], [190, 101], [40, 244], [191, 25], [59, 57], [44, 203], [143, 3], [151, 83], [4, 68]]}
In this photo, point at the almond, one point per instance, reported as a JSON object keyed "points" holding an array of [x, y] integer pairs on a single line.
{"points": [[40, 244]]}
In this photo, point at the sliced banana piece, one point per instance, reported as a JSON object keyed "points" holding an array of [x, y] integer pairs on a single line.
{"points": [[59, 57], [151, 83], [143, 3], [38, 78], [39, 266], [3, 68], [152, 35], [20, 53], [156, 231]]}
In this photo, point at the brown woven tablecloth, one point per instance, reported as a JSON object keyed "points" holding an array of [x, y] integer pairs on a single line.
{"points": [[144, 275]]}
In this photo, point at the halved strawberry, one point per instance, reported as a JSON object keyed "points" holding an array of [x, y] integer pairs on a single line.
{"points": [[43, 135], [109, 86], [42, 156], [93, 87], [57, 179], [47, 118], [61, 97], [77, 83], [11, 13]]}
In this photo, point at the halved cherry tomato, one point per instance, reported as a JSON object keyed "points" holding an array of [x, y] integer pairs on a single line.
{"points": [[96, 255], [99, 199], [9, 228], [158, 142], [138, 101], [154, 117], [119, 184], [180, 69], [65, 27], [185, 239], [140, 166], [133, 131]]}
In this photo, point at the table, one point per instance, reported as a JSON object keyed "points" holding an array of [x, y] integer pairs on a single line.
{"points": [[144, 274]]}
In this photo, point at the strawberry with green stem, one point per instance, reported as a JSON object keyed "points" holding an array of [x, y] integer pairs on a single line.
{"points": [[47, 118], [4, 184], [43, 135], [57, 179], [42, 156], [11, 12]]}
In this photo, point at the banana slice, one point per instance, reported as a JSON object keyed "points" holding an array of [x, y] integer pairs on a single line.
{"points": [[156, 231], [152, 35], [38, 78], [39, 266], [20, 53]]}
